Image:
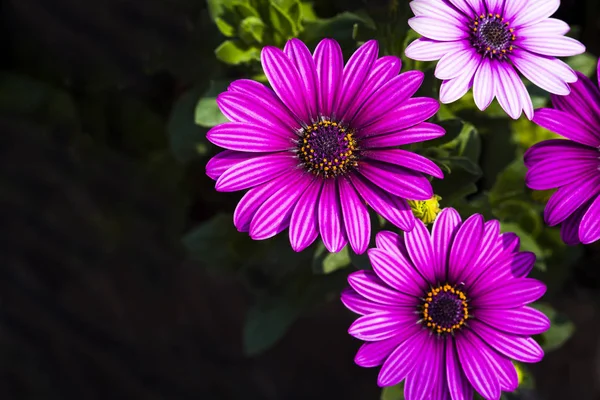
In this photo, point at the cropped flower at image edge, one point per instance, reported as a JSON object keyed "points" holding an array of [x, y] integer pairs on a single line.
{"points": [[483, 43], [571, 166], [447, 312], [318, 147]]}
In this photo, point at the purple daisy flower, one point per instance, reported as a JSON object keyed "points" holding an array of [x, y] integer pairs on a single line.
{"points": [[480, 43], [571, 166], [447, 312], [322, 144]]}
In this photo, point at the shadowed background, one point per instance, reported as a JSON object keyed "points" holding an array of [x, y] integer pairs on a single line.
{"points": [[102, 173]]}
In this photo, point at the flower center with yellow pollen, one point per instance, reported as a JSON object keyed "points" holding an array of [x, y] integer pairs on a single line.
{"points": [[492, 36], [327, 149], [445, 309]]}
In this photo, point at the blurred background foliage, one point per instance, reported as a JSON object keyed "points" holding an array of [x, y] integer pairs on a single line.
{"points": [[139, 79]]}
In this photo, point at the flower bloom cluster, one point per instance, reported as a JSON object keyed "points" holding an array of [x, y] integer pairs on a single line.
{"points": [[446, 312]]}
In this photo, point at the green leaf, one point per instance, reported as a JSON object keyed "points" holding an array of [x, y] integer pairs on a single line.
{"points": [[233, 53], [187, 140], [325, 262], [395, 392], [463, 163], [207, 113], [281, 22], [225, 28], [212, 243], [510, 183], [561, 328], [340, 28], [252, 30], [585, 63], [266, 323]]}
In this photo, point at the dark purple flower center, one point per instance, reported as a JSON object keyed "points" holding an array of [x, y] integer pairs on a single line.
{"points": [[491, 36], [328, 149], [445, 309]]}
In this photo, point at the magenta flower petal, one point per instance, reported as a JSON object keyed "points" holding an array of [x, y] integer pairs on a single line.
{"points": [[452, 64], [275, 213], [401, 361], [373, 354], [249, 138], [558, 46], [383, 70], [356, 217], [426, 374], [253, 199], [355, 73], [447, 335], [443, 232], [569, 229], [303, 225], [225, 160], [407, 159], [537, 10], [483, 85], [393, 208], [398, 181], [458, 385], [302, 59], [453, 89], [330, 218], [397, 273], [475, 366], [516, 347], [418, 245], [550, 174], [263, 98], [584, 101], [329, 63], [431, 50], [438, 29], [285, 80], [360, 305], [305, 130], [389, 96], [418, 133], [557, 149], [567, 125], [479, 43], [589, 230], [465, 247], [254, 171], [380, 325], [515, 293], [521, 321], [368, 285], [570, 197]]}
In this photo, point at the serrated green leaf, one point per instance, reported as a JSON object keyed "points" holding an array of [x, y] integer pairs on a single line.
{"points": [[251, 30], [233, 53], [561, 328], [339, 28], [207, 113]]}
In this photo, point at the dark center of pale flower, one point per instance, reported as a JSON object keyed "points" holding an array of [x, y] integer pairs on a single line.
{"points": [[328, 149], [444, 309], [492, 36]]}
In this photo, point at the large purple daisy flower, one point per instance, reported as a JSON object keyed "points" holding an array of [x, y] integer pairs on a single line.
{"points": [[320, 146], [480, 43], [447, 312], [571, 166]]}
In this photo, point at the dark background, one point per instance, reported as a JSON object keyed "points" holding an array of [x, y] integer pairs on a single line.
{"points": [[97, 299]]}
